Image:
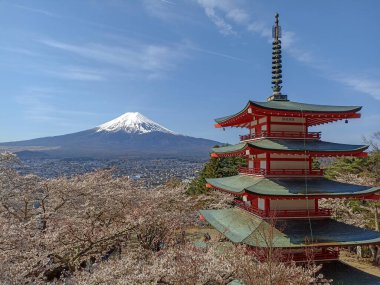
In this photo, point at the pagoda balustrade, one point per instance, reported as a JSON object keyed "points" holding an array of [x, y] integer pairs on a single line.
{"points": [[280, 172], [317, 254], [281, 134], [325, 255], [322, 212]]}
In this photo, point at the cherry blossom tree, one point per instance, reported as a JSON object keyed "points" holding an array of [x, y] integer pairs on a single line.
{"points": [[97, 228]]}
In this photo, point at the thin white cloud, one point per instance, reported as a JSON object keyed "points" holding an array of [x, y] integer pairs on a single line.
{"points": [[78, 73], [145, 59], [231, 15], [36, 10], [215, 53], [223, 26], [39, 105], [216, 10], [19, 51], [361, 83], [168, 11], [238, 16], [261, 29], [168, 2]]}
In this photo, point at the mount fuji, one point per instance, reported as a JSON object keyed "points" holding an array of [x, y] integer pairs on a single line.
{"points": [[133, 123], [130, 135]]}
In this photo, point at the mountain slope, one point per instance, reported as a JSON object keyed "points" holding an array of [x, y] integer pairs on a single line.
{"points": [[131, 134]]}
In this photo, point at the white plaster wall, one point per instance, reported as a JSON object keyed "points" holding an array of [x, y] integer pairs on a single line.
{"points": [[261, 204], [292, 204], [262, 120]]}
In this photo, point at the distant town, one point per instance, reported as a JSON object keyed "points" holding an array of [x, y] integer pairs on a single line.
{"points": [[149, 172]]}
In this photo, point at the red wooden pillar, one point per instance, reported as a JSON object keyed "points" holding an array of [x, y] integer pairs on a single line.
{"points": [[306, 127], [267, 206], [316, 205], [310, 164], [267, 162]]}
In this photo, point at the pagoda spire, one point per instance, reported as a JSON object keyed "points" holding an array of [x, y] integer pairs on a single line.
{"points": [[276, 64]]}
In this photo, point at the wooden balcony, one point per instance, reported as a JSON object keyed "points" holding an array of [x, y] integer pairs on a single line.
{"points": [[288, 135], [280, 172], [318, 254], [326, 255], [283, 214]]}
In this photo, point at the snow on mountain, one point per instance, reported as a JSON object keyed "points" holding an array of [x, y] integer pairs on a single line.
{"points": [[130, 135], [132, 122]]}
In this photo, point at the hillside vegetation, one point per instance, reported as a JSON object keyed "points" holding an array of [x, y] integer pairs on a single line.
{"points": [[101, 229], [215, 168]]}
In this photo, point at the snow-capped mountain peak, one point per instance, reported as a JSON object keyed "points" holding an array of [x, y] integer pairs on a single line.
{"points": [[132, 122]]}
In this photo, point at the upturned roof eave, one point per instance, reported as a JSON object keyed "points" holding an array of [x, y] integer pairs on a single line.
{"points": [[350, 109], [359, 194], [259, 105], [225, 118], [357, 150], [237, 148], [243, 184], [230, 150], [240, 226]]}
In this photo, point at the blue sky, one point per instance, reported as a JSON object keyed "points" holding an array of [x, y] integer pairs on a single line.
{"points": [[71, 65]]}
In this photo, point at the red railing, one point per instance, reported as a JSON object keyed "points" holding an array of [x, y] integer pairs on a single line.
{"points": [[254, 210], [323, 212], [282, 134], [307, 255], [301, 213], [280, 172], [329, 254]]}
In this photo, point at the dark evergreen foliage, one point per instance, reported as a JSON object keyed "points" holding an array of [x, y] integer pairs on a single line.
{"points": [[215, 168], [362, 166]]}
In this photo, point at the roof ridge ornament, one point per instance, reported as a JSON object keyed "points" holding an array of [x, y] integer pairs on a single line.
{"points": [[276, 64]]}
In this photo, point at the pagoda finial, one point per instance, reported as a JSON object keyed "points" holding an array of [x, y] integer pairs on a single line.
{"points": [[276, 30], [276, 63]]}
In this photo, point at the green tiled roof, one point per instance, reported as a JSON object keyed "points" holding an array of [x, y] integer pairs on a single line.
{"points": [[222, 119], [310, 186], [235, 184], [230, 148], [296, 107], [292, 145], [302, 107], [242, 227]]}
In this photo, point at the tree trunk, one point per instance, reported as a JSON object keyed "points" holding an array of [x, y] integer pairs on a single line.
{"points": [[359, 251], [377, 257], [374, 250], [376, 219]]}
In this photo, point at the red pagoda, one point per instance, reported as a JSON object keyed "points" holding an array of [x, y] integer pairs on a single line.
{"points": [[279, 189]]}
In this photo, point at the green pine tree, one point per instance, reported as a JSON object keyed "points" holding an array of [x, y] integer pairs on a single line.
{"points": [[215, 168]]}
